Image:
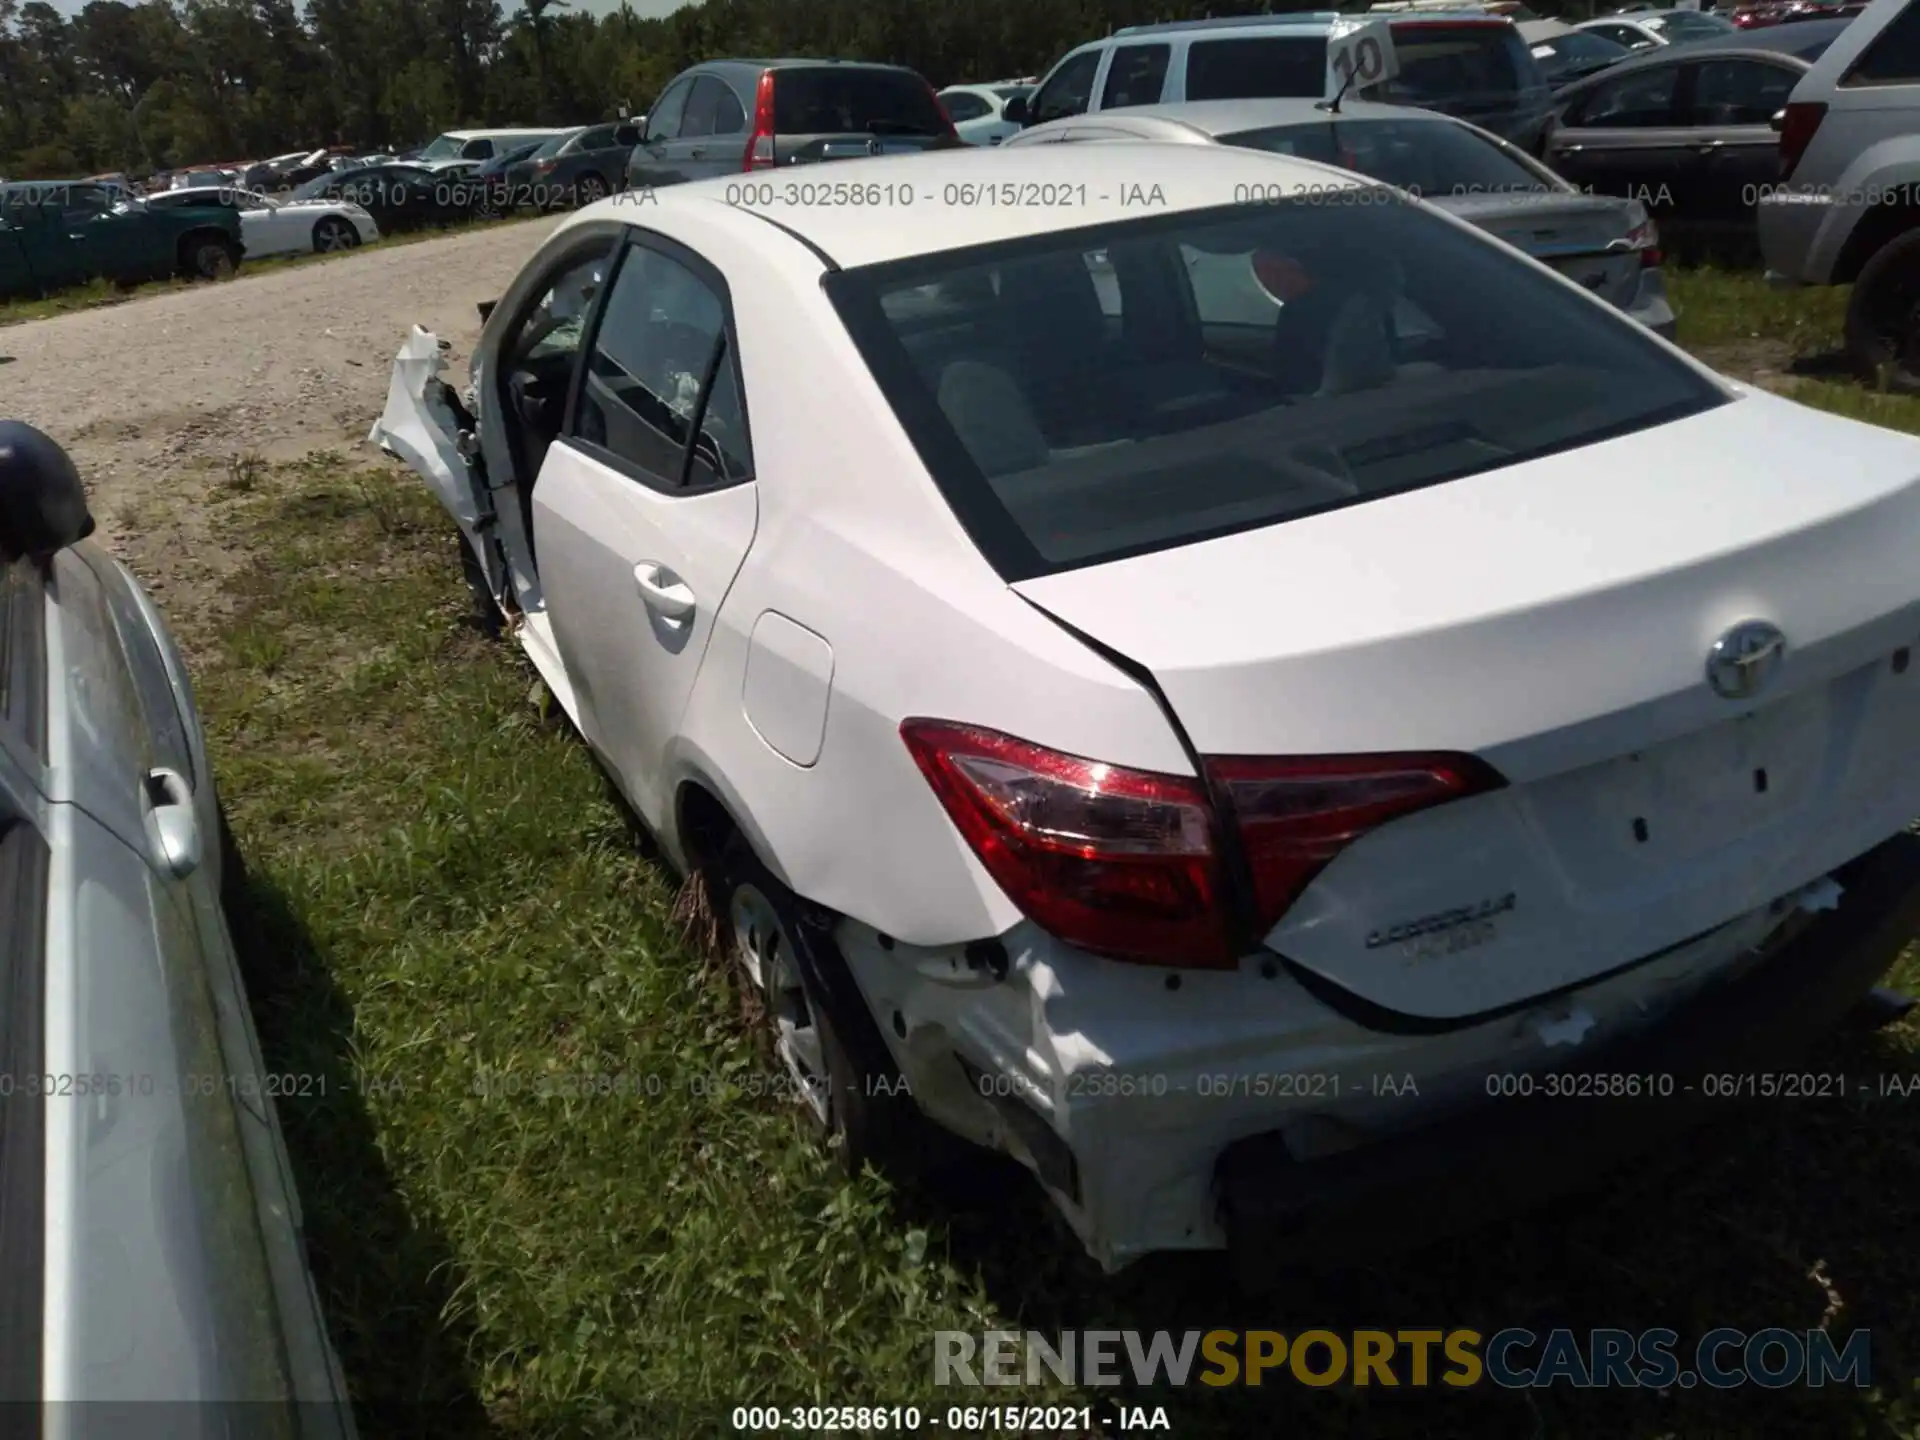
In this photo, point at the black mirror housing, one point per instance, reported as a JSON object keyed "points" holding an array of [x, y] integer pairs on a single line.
{"points": [[1014, 112], [1778, 122], [43, 505]]}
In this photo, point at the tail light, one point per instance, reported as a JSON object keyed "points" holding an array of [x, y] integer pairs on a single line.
{"points": [[760, 152], [945, 119], [1125, 863], [1644, 240], [1296, 814], [1802, 118]]}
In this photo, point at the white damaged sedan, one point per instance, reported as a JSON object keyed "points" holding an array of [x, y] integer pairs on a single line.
{"points": [[1335, 749]]}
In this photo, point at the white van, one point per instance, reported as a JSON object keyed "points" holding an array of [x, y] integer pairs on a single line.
{"points": [[457, 145]]}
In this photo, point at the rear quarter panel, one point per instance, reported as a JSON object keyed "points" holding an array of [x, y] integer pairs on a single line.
{"points": [[855, 544]]}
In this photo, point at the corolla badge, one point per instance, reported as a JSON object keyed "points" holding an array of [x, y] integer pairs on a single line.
{"points": [[1744, 659]]}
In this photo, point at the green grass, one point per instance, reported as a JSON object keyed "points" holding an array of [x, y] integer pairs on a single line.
{"points": [[96, 293], [439, 888]]}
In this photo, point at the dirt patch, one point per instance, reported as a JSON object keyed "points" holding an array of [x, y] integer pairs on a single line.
{"points": [[159, 398]]}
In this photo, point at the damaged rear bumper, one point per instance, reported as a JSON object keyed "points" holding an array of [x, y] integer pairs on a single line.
{"points": [[1445, 1174], [1238, 1110]]}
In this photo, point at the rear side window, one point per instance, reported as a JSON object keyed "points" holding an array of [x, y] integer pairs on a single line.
{"points": [[1340, 355], [662, 334], [964, 105], [712, 110], [1263, 67], [851, 101], [1740, 92], [1893, 57], [1455, 62], [1135, 76]]}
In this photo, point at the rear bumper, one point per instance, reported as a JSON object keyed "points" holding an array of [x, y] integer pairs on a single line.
{"points": [[1440, 1176]]}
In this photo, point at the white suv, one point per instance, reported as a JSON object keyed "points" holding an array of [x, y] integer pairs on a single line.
{"points": [[1847, 210], [1465, 63]]}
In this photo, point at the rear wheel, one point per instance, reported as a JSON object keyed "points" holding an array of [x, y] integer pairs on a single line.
{"points": [[830, 1051], [590, 189], [209, 257], [333, 233], [1883, 317]]}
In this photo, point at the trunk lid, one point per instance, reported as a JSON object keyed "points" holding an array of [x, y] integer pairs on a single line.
{"points": [[1571, 233], [1555, 618]]}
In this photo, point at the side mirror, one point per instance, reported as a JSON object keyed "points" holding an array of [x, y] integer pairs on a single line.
{"points": [[1778, 122], [1015, 111], [43, 505]]}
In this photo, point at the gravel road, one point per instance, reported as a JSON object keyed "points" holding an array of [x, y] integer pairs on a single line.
{"points": [[145, 393]]}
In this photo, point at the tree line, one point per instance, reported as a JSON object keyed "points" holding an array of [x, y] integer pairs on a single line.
{"points": [[170, 83]]}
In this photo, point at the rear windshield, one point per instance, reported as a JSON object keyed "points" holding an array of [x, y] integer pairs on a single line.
{"points": [[1689, 25], [1582, 50], [1431, 158], [1257, 68], [844, 101], [1455, 62], [1091, 394]]}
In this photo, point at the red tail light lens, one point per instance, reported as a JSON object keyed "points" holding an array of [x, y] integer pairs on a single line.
{"points": [[1116, 861], [760, 151], [1644, 240], [1296, 814], [1796, 133], [1123, 862], [940, 108]]}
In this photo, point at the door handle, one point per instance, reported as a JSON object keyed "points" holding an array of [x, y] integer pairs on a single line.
{"points": [[669, 599], [1707, 147], [172, 824], [697, 152], [1567, 149]]}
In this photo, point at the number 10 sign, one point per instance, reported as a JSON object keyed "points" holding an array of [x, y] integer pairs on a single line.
{"points": [[1359, 56]]}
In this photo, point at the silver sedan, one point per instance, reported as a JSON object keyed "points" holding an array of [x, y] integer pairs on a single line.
{"points": [[1608, 245], [150, 1246]]}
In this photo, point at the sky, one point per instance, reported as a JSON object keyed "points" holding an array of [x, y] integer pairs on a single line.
{"points": [[590, 7]]}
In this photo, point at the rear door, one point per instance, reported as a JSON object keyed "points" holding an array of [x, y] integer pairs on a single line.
{"points": [[1627, 136], [654, 161], [843, 112], [1731, 106], [646, 506], [713, 131]]}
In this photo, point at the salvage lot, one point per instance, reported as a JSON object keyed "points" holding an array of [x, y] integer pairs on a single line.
{"points": [[627, 1265]]}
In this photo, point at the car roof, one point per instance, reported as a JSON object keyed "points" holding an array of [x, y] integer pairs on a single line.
{"points": [[1767, 44], [953, 194], [1214, 118], [791, 62], [1307, 20]]}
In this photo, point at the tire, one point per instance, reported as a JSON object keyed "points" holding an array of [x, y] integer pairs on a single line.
{"points": [[589, 189], [331, 233], [825, 1038], [209, 256], [1883, 317]]}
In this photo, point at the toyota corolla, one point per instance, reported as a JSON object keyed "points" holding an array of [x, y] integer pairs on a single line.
{"points": [[1220, 702]]}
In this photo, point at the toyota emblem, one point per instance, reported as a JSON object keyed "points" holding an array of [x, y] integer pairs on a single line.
{"points": [[1744, 659]]}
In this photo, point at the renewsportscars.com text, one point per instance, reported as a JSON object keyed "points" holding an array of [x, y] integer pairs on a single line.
{"points": [[1513, 1358]]}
